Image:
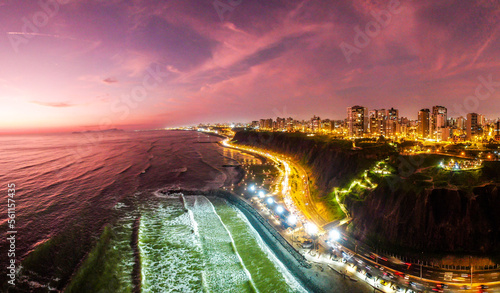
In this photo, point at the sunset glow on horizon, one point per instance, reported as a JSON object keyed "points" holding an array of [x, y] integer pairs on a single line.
{"points": [[85, 65]]}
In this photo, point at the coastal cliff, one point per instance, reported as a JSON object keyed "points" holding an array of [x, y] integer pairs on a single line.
{"points": [[331, 162], [422, 209], [405, 214]]}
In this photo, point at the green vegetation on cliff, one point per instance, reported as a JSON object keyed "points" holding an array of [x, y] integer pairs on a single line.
{"points": [[423, 206], [331, 162]]}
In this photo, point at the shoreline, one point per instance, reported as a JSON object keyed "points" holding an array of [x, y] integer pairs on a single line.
{"points": [[298, 266], [260, 157], [295, 262], [313, 277]]}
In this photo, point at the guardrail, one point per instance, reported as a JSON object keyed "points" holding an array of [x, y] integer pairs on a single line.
{"points": [[432, 264]]}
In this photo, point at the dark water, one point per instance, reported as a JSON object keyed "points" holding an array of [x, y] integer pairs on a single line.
{"points": [[77, 196]]}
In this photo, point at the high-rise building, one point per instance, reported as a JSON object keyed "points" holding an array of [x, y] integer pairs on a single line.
{"points": [[391, 127], [481, 121], [280, 123], [472, 126], [461, 123], [289, 124], [315, 124], [497, 130], [357, 120], [327, 125], [445, 133], [377, 122], [266, 123], [439, 120], [373, 123], [424, 123], [391, 124], [393, 114], [440, 114]]}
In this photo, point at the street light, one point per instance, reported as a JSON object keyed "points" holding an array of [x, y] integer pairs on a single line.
{"points": [[279, 209], [334, 235], [292, 220], [311, 229]]}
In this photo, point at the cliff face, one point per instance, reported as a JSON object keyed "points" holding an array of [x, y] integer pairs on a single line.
{"points": [[430, 219], [331, 162]]}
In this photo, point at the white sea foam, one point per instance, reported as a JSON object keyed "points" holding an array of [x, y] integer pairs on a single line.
{"points": [[195, 251], [170, 256], [193, 222], [120, 205], [289, 278], [223, 270], [234, 247]]}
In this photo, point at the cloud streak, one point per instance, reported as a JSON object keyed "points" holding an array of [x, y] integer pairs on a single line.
{"points": [[45, 35], [53, 104], [110, 80]]}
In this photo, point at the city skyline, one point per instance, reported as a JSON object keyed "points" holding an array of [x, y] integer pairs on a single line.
{"points": [[329, 117], [145, 65], [362, 122]]}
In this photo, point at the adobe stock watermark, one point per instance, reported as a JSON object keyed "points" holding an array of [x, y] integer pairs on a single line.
{"points": [[11, 234], [31, 26], [484, 90], [223, 7], [381, 20]]}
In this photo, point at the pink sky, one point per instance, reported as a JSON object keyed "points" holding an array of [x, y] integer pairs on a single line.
{"points": [[76, 65]]}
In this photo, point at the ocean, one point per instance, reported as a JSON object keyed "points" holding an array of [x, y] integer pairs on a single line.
{"points": [[79, 196]]}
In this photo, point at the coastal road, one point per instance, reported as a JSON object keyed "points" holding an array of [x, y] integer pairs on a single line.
{"points": [[302, 198], [293, 173]]}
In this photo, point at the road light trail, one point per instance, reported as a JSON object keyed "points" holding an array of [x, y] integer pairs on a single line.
{"points": [[309, 206]]}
